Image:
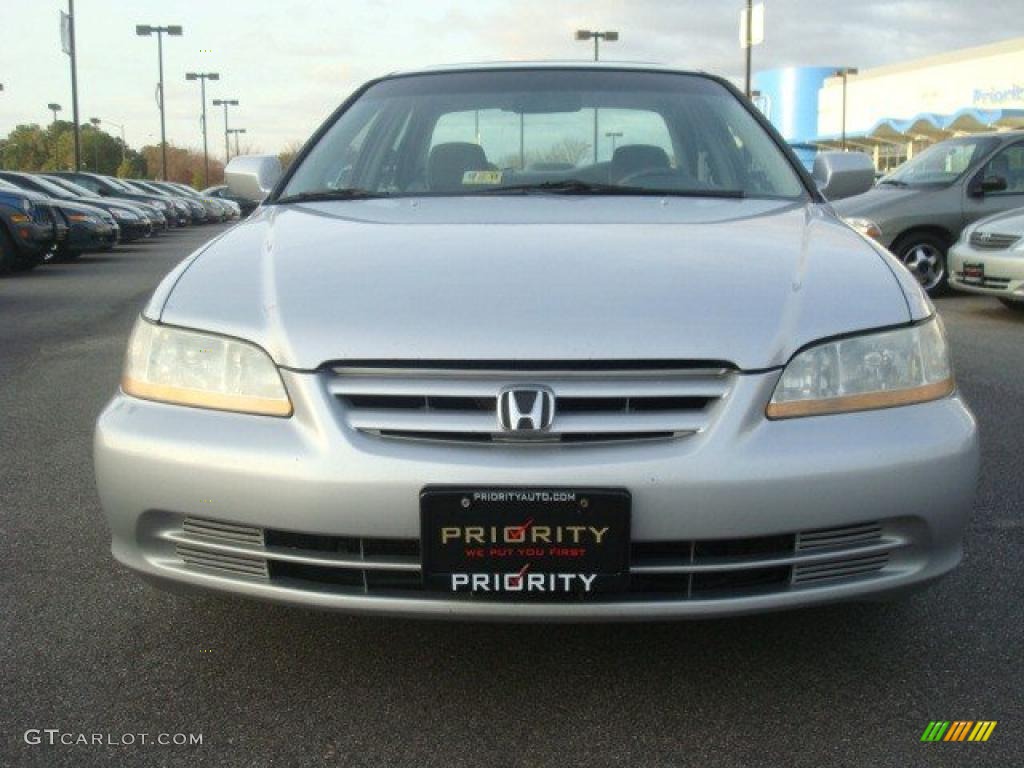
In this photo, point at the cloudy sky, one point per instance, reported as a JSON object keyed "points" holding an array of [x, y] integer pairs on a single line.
{"points": [[290, 62]]}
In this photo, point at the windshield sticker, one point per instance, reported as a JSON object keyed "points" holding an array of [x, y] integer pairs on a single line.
{"points": [[481, 177]]}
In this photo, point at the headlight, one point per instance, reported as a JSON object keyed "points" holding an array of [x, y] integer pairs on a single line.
{"points": [[125, 215], [26, 206], [865, 227], [82, 217], [202, 370], [878, 370]]}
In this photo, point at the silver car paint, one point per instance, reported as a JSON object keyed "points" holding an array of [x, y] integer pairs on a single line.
{"points": [[502, 278], [745, 281]]}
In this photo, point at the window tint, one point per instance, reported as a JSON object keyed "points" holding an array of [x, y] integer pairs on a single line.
{"points": [[941, 163]]}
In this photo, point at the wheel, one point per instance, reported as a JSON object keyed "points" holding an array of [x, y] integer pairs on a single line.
{"points": [[11, 260], [924, 254], [1016, 306]]}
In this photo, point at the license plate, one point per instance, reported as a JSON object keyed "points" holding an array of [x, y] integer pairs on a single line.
{"points": [[974, 273], [525, 544]]}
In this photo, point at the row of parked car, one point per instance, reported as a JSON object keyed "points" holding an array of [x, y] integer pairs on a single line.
{"points": [[63, 214]]}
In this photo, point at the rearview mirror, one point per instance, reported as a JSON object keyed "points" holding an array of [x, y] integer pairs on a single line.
{"points": [[843, 174], [251, 177]]}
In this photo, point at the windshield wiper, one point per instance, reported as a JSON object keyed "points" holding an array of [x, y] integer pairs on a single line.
{"points": [[894, 182], [353, 193], [578, 187]]}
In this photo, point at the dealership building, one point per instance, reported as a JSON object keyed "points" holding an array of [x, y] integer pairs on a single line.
{"points": [[891, 112]]}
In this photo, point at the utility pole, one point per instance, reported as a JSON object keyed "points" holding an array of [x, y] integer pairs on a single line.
{"points": [[95, 145], [226, 103], [844, 73], [145, 30], [609, 37], [236, 131], [749, 42], [202, 77], [74, 83]]}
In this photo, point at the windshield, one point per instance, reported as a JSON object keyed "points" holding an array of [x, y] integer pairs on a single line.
{"points": [[571, 131], [51, 189], [941, 163], [70, 186]]}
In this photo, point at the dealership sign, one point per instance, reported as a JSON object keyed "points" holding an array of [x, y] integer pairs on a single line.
{"points": [[999, 96]]}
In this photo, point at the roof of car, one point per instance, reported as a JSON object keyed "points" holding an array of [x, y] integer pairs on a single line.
{"points": [[549, 64]]}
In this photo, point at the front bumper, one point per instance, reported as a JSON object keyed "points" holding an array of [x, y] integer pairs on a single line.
{"points": [[135, 229], [1004, 271], [908, 473], [90, 237]]}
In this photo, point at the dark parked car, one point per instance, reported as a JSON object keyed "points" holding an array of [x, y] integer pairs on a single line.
{"points": [[132, 222], [154, 213], [108, 187], [222, 192], [29, 228], [196, 211], [88, 228]]}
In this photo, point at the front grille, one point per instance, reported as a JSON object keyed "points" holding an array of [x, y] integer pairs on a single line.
{"points": [[42, 214], [667, 570], [988, 281], [594, 401], [991, 241]]}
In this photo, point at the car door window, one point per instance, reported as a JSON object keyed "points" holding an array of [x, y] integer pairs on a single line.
{"points": [[1007, 164]]}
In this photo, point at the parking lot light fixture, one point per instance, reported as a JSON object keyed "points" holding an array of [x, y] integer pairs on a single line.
{"points": [[202, 77], [844, 73], [609, 36], [236, 131], [147, 30], [226, 103]]}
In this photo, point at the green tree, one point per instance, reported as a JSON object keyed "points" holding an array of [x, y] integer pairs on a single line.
{"points": [[26, 148]]}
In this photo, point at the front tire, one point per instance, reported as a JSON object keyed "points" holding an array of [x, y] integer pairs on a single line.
{"points": [[1016, 306], [924, 254], [11, 260]]}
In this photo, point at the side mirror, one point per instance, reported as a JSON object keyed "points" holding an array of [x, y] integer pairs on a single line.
{"points": [[989, 184], [843, 174], [252, 176]]}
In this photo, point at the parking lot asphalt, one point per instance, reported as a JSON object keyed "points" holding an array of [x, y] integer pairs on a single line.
{"points": [[89, 649]]}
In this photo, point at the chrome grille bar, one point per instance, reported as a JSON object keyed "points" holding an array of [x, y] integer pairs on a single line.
{"points": [[460, 404]]}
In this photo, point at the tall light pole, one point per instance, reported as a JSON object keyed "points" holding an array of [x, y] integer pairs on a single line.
{"points": [[613, 135], [226, 103], [609, 36], [236, 131], [587, 34], [845, 72], [124, 145], [202, 77], [67, 28], [55, 108], [145, 30], [95, 145]]}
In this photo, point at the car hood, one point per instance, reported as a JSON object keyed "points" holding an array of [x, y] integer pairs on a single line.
{"points": [[1008, 222], [878, 199], [535, 278]]}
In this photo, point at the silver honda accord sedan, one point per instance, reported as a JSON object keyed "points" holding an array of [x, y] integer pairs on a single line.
{"points": [[540, 342]]}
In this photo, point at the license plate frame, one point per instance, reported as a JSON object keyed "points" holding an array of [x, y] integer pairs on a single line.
{"points": [[974, 273], [525, 543]]}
